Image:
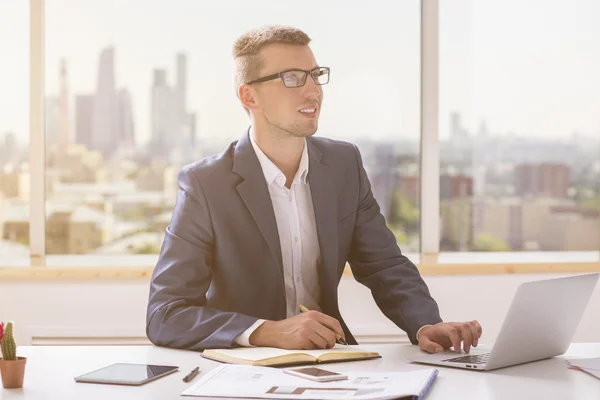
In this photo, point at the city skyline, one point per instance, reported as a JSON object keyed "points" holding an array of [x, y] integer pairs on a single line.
{"points": [[479, 71], [171, 124]]}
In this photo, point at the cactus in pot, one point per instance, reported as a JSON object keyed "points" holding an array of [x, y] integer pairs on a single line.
{"points": [[12, 368], [7, 343]]}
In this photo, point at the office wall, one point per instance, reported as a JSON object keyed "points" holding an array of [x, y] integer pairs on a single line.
{"points": [[101, 311]]}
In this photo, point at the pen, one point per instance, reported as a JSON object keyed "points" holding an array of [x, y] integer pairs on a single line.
{"points": [[339, 339], [191, 375]]}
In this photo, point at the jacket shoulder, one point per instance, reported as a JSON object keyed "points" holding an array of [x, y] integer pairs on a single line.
{"points": [[214, 165], [334, 147]]}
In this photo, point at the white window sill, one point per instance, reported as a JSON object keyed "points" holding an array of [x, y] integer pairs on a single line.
{"points": [[142, 266]]}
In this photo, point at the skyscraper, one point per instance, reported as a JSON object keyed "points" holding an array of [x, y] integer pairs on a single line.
{"points": [[125, 126], [9, 149], [65, 131], [173, 129], [181, 85], [104, 117], [84, 109], [52, 120], [164, 117], [187, 121], [456, 128]]}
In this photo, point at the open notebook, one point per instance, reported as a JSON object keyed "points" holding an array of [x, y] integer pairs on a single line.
{"points": [[269, 356]]}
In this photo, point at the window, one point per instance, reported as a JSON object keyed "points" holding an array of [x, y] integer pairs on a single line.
{"points": [[14, 130], [145, 94], [148, 92], [519, 126]]}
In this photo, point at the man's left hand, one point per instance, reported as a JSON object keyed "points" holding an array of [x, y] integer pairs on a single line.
{"points": [[439, 337]]}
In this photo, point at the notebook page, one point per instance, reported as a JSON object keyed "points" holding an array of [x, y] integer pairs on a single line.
{"points": [[338, 348], [256, 353]]}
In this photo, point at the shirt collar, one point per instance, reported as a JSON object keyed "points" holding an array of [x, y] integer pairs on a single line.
{"points": [[272, 172]]}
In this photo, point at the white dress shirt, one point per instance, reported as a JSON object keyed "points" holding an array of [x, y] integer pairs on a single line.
{"points": [[297, 229]]}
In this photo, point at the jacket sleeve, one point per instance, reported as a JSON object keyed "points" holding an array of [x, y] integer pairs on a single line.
{"points": [[377, 262], [177, 315]]}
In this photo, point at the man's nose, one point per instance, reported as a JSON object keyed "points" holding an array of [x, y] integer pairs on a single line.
{"points": [[311, 89]]}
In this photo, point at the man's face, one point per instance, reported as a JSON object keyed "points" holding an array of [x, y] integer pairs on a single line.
{"points": [[293, 110]]}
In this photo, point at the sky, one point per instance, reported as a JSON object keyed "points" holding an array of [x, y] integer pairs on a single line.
{"points": [[525, 67]]}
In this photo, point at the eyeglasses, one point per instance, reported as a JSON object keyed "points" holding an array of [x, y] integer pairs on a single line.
{"points": [[293, 78]]}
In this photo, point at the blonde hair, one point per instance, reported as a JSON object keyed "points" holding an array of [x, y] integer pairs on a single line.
{"points": [[246, 57]]}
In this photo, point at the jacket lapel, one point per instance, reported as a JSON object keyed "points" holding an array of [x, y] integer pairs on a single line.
{"points": [[324, 197], [255, 193]]}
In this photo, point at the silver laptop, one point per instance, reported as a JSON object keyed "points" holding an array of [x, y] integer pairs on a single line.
{"points": [[540, 323]]}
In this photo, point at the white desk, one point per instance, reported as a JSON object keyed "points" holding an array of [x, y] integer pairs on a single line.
{"points": [[50, 371]]}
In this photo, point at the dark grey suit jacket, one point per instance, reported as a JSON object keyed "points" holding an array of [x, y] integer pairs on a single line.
{"points": [[220, 267]]}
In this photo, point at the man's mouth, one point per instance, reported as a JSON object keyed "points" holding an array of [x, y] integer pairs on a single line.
{"points": [[308, 111]]}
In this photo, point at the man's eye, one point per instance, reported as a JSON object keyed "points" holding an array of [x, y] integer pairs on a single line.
{"points": [[291, 79]]}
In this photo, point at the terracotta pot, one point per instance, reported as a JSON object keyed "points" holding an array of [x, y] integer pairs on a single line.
{"points": [[12, 372]]}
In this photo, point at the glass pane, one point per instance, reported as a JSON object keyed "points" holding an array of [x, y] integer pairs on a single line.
{"points": [[146, 93], [519, 126], [14, 130]]}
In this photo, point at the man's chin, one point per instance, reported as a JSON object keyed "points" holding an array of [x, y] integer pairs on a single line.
{"points": [[307, 133], [297, 130], [304, 131]]}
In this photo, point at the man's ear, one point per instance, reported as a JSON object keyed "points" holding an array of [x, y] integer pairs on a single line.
{"points": [[247, 96]]}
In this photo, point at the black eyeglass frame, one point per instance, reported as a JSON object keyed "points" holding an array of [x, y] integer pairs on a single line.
{"points": [[306, 73]]}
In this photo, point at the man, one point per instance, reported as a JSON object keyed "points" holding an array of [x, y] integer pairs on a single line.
{"points": [[269, 225]]}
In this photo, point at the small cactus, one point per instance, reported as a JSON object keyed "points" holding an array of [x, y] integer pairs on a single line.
{"points": [[9, 348]]}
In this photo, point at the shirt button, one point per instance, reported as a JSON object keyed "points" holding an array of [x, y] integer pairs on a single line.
{"points": [[297, 279], [296, 239], [290, 198]]}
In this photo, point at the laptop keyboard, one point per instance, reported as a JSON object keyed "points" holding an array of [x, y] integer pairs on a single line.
{"points": [[470, 359]]}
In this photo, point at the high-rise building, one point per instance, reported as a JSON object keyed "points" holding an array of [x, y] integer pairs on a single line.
{"points": [[65, 122], [173, 129], [84, 109], [52, 120], [457, 130], [187, 121], [104, 118], [164, 117], [9, 149], [181, 85], [125, 125]]}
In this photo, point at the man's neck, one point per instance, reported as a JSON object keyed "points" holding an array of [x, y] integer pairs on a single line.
{"points": [[284, 151]]}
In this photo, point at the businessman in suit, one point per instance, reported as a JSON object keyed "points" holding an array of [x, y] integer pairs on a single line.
{"points": [[270, 223]]}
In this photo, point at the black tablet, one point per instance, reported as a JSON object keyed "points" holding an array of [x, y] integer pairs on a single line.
{"points": [[126, 374]]}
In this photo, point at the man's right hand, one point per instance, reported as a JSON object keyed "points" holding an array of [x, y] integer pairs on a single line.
{"points": [[306, 331]]}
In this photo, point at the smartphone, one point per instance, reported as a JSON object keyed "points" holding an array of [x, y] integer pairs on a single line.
{"points": [[316, 374]]}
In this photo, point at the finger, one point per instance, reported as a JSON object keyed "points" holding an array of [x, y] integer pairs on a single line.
{"points": [[317, 340], [330, 322], [467, 336], [453, 334], [306, 344], [475, 328], [327, 334], [429, 346]]}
